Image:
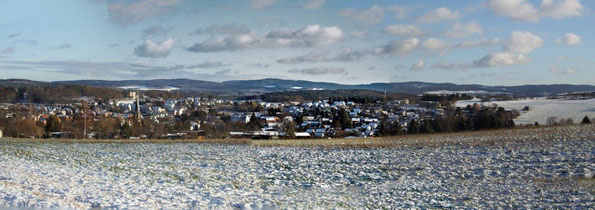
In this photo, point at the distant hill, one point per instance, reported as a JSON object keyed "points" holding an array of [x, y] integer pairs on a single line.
{"points": [[251, 87], [316, 95]]}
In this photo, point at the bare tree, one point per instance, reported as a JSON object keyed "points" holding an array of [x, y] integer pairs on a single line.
{"points": [[552, 120]]}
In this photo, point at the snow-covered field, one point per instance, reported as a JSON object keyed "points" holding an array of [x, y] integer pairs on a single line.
{"points": [[542, 108], [529, 169]]}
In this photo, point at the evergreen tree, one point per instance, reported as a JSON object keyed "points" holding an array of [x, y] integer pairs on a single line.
{"points": [[390, 128], [396, 128], [427, 127], [299, 119], [344, 119], [381, 128], [254, 122], [586, 120], [413, 127], [126, 130], [53, 124]]}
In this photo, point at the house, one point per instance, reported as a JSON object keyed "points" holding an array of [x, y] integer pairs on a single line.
{"points": [[194, 126], [240, 134], [0, 133], [302, 135], [244, 118], [266, 133], [270, 121], [61, 135], [320, 133], [173, 136], [430, 104]]}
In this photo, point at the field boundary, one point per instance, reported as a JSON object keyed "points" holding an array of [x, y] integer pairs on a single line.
{"points": [[467, 138]]}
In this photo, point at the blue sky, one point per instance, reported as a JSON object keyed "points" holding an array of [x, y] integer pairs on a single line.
{"points": [[491, 42]]}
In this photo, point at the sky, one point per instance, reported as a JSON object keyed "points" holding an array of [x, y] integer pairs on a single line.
{"points": [[488, 42]]}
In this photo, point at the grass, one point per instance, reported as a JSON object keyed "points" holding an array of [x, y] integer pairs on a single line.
{"points": [[474, 138]]}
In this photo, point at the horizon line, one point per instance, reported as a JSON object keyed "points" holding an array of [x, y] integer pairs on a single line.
{"points": [[296, 80]]}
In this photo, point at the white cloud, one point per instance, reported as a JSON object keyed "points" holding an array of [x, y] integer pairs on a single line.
{"points": [[433, 44], [225, 71], [403, 30], [319, 71], [229, 43], [347, 55], [407, 46], [561, 9], [491, 60], [479, 43], [126, 13], [449, 66], [370, 16], [261, 4], [314, 4], [260, 65], [399, 11], [418, 66], [438, 15], [156, 30], [513, 52], [459, 30], [203, 65], [523, 10], [309, 36], [515, 9], [522, 42], [401, 47], [83, 68], [127, 70], [569, 39], [312, 57], [207, 65], [152, 49], [314, 35], [501, 59], [558, 71], [359, 34], [350, 54], [232, 28]]}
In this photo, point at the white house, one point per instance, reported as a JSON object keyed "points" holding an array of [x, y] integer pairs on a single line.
{"points": [[302, 135], [195, 126]]}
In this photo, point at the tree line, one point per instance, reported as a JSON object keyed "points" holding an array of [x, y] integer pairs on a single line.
{"points": [[358, 96], [56, 94], [454, 121]]}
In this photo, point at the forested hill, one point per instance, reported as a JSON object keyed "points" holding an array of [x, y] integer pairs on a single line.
{"points": [[361, 96], [252, 87]]}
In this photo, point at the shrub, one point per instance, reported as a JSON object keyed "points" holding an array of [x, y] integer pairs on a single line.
{"points": [[586, 120]]}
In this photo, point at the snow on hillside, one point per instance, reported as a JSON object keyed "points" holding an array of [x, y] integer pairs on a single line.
{"points": [[542, 108]]}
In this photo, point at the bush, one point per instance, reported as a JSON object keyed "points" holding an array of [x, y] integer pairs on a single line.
{"points": [[586, 120]]}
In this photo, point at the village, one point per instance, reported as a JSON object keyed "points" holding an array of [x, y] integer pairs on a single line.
{"points": [[140, 117]]}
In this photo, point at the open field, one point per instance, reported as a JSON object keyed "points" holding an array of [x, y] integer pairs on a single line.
{"points": [[541, 109], [542, 167], [468, 137]]}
